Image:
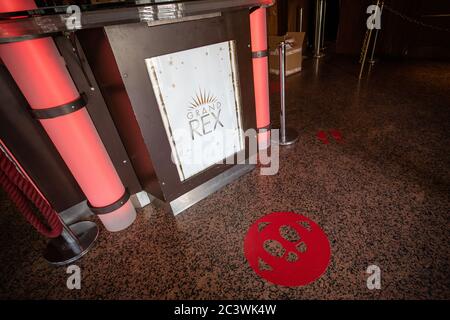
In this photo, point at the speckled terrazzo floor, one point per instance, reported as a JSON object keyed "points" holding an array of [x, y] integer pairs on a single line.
{"points": [[382, 196]]}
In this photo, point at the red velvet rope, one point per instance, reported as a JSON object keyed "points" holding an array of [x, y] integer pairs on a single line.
{"points": [[22, 192]]}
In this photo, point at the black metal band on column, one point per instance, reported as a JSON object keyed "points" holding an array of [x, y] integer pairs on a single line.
{"points": [[113, 206], [260, 54], [61, 110]]}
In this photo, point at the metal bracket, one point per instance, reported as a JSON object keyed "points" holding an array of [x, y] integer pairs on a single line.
{"points": [[112, 207]]}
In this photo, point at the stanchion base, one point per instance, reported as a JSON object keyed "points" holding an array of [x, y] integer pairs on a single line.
{"points": [[59, 252], [291, 137]]}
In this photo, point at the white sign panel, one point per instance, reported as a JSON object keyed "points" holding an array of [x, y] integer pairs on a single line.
{"points": [[198, 96]]}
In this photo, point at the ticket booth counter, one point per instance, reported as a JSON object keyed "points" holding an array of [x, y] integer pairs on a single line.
{"points": [[169, 86]]}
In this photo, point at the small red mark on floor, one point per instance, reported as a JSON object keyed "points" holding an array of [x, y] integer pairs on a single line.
{"points": [[322, 136], [304, 258], [336, 134]]}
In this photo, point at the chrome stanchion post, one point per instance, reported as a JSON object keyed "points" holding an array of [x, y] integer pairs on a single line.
{"points": [[300, 20], [372, 60], [288, 135], [324, 15], [282, 57], [300, 28], [73, 243], [365, 49], [363, 60], [318, 29]]}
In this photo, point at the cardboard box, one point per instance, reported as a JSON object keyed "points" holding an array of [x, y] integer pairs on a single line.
{"points": [[294, 52]]}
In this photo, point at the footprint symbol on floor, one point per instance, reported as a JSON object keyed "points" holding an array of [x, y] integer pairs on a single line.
{"points": [[335, 134], [322, 136]]}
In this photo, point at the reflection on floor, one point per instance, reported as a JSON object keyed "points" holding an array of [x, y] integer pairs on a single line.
{"points": [[381, 194]]}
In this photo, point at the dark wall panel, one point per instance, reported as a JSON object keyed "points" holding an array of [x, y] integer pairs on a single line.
{"points": [[32, 148]]}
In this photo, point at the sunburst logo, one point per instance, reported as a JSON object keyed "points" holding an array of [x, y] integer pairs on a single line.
{"points": [[203, 114], [202, 98]]}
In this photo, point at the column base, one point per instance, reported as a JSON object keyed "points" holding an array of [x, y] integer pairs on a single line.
{"points": [[290, 138]]}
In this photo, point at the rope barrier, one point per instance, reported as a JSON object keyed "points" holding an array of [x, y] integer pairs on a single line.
{"points": [[413, 20], [367, 37], [22, 193]]}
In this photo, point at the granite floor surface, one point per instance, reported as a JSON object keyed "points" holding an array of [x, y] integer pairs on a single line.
{"points": [[381, 194]]}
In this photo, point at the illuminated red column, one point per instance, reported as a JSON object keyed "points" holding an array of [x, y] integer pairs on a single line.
{"points": [[42, 76], [258, 30]]}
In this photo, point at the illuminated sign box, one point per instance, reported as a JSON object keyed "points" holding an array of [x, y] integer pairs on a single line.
{"points": [[199, 100]]}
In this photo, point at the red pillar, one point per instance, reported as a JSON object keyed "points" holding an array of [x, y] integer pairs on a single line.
{"points": [[42, 76], [258, 30]]}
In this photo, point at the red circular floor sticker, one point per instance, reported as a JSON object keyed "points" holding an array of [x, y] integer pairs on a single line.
{"points": [[287, 249]]}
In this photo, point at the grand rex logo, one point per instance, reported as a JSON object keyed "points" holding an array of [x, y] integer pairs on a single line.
{"points": [[204, 114]]}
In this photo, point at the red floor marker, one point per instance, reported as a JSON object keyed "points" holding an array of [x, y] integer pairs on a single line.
{"points": [[322, 137], [336, 134], [301, 261]]}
